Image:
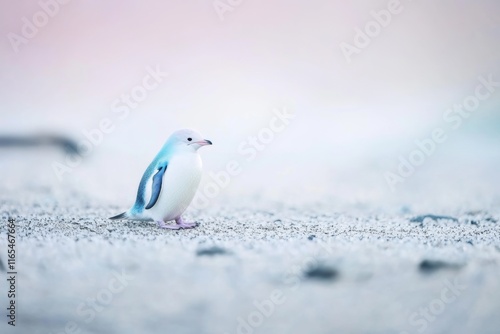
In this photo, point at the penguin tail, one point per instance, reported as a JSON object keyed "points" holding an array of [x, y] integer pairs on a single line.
{"points": [[120, 216]]}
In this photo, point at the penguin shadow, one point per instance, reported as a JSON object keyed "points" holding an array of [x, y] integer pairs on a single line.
{"points": [[152, 225], [140, 224]]}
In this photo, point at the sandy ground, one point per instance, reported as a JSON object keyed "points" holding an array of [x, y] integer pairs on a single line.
{"points": [[254, 265], [259, 268]]}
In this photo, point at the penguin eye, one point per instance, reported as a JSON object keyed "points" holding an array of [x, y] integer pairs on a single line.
{"points": [[189, 139]]}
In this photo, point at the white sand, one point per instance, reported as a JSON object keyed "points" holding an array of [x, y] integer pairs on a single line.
{"points": [[335, 272]]}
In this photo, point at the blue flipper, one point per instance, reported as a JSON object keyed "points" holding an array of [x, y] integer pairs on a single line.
{"points": [[157, 181]]}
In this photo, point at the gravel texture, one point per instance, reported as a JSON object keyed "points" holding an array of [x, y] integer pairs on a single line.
{"points": [[264, 267], [429, 264]]}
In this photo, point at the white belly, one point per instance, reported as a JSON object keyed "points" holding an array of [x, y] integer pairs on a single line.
{"points": [[180, 182]]}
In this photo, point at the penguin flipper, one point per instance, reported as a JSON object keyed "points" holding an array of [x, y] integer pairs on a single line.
{"points": [[156, 187]]}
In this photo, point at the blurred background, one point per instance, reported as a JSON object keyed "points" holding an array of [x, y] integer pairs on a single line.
{"points": [[229, 66]]}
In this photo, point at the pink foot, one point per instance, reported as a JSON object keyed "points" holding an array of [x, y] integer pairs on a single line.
{"points": [[161, 224], [183, 224]]}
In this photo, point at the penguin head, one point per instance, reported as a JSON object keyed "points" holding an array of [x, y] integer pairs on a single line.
{"points": [[187, 139]]}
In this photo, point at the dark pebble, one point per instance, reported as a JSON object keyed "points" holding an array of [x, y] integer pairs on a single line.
{"points": [[420, 219], [431, 266], [212, 251], [322, 273]]}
